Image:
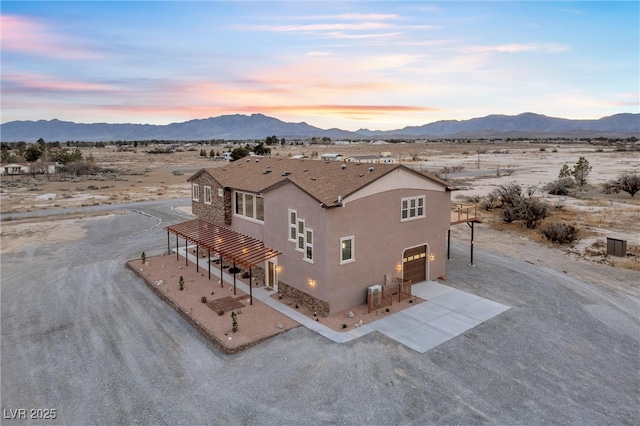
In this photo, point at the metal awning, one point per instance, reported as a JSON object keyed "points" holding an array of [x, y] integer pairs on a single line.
{"points": [[230, 245]]}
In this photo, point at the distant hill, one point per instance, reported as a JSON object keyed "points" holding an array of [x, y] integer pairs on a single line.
{"points": [[259, 126]]}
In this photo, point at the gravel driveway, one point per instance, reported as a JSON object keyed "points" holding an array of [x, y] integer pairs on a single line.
{"points": [[82, 335]]}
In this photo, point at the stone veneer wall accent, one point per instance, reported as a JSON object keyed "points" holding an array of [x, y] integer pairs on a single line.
{"points": [[228, 214], [217, 211], [298, 296]]}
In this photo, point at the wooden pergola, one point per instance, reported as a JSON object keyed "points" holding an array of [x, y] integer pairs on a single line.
{"points": [[227, 244]]}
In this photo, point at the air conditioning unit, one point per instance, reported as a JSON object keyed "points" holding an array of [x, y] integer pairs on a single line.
{"points": [[374, 294]]}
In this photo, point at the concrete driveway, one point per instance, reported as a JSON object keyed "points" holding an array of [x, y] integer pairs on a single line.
{"points": [[80, 334]]}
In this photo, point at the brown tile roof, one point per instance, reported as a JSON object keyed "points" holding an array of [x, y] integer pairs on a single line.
{"points": [[322, 180]]}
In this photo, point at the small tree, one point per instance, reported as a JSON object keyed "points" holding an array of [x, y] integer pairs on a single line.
{"points": [[212, 153], [629, 182], [181, 283], [239, 153], [32, 153], [565, 172], [581, 171], [234, 322], [143, 257]]}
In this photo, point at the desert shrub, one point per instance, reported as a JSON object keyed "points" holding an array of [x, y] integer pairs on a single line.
{"points": [[628, 182], [519, 206], [234, 270], [344, 326], [561, 186], [143, 257], [181, 283], [534, 211], [245, 274], [508, 193], [543, 149], [234, 322], [561, 233]]}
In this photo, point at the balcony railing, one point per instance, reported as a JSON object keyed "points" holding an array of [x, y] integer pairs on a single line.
{"points": [[461, 212]]}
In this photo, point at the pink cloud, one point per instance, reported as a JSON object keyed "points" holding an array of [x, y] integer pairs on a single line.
{"points": [[32, 36], [33, 81]]}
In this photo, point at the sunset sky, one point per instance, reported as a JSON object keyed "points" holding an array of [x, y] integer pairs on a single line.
{"points": [[348, 64]]}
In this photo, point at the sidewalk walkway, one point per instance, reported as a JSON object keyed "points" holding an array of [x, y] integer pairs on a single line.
{"points": [[445, 314]]}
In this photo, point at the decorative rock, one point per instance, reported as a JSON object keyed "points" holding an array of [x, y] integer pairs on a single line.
{"points": [[280, 326], [351, 314]]}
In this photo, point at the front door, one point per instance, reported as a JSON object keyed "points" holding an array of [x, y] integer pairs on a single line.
{"points": [[272, 275]]}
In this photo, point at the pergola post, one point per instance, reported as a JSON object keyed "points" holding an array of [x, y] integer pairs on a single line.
{"points": [[177, 255], [234, 277], [209, 261], [471, 225], [186, 253], [168, 242], [197, 257], [250, 287], [221, 279], [449, 244]]}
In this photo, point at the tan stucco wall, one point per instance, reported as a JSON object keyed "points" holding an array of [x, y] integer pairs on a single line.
{"points": [[380, 239]]}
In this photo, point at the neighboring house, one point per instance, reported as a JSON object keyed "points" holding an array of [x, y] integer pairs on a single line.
{"points": [[331, 157], [14, 169], [372, 159], [338, 227], [20, 169]]}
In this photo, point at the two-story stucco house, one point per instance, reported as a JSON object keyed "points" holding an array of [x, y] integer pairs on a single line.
{"points": [[339, 227]]}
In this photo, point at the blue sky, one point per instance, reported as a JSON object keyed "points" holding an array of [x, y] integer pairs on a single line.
{"points": [[349, 64]]}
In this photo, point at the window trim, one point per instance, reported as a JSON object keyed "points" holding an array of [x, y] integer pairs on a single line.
{"points": [[301, 244], [308, 245], [416, 208], [292, 226], [243, 214], [207, 195], [353, 249], [195, 192]]}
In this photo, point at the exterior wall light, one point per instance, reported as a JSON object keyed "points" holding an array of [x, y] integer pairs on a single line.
{"points": [[432, 257], [312, 283]]}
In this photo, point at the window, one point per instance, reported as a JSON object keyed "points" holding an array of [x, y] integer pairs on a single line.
{"points": [[220, 192], [260, 208], [308, 255], [300, 232], [300, 235], [195, 192], [293, 225], [250, 206], [347, 250], [207, 195], [412, 208]]}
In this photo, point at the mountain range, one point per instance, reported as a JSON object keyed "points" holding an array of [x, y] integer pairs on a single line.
{"points": [[259, 126]]}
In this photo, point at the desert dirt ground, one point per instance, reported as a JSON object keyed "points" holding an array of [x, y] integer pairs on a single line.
{"points": [[139, 176]]}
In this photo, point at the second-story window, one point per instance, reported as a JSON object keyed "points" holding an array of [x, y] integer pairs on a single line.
{"points": [[195, 192], [250, 206], [207, 195], [412, 208]]}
